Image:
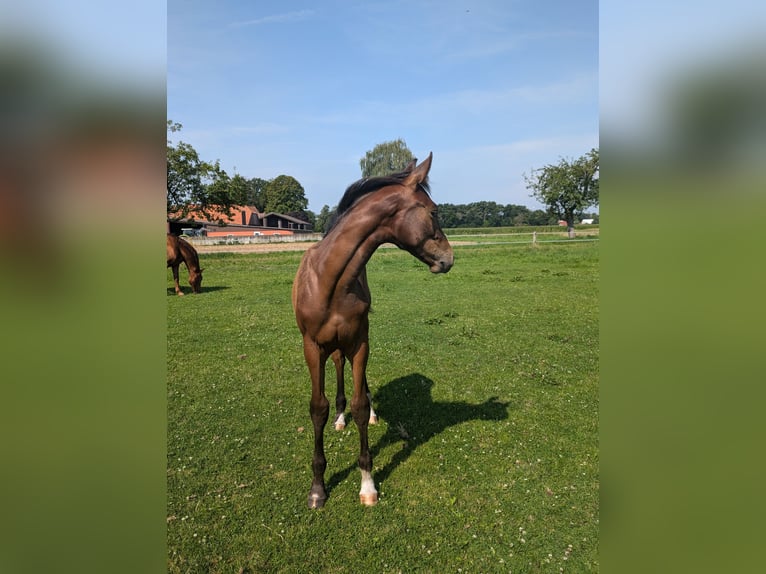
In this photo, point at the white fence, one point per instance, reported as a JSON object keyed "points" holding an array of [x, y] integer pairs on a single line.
{"points": [[255, 239], [466, 239], [527, 237]]}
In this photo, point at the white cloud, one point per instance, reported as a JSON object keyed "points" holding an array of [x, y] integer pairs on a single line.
{"points": [[294, 16], [456, 104]]}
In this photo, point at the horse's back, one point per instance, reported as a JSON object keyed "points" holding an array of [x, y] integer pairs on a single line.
{"points": [[174, 250]]}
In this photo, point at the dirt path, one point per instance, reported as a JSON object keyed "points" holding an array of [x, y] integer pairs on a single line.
{"points": [[274, 247], [254, 247]]}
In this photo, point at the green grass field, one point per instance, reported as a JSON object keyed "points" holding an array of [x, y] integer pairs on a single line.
{"points": [[486, 383]]}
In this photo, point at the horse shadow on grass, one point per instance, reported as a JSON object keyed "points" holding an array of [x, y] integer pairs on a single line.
{"points": [[414, 418], [187, 290]]}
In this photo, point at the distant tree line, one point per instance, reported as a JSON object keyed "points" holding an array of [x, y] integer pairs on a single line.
{"points": [[491, 214], [476, 214]]}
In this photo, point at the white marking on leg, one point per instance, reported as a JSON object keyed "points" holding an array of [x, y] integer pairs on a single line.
{"points": [[368, 495], [373, 416], [340, 422]]}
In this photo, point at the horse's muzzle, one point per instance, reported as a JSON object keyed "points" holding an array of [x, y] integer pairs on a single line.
{"points": [[443, 264]]}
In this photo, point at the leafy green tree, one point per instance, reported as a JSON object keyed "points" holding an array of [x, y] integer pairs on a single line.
{"points": [[218, 196], [255, 193], [239, 188], [385, 158], [515, 215], [284, 194], [541, 217], [244, 191], [568, 187], [448, 215], [194, 187], [486, 213], [324, 218]]}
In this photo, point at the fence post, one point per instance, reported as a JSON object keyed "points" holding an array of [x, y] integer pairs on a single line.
{"points": [[534, 237]]}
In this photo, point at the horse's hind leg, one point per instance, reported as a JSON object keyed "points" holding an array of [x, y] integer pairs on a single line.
{"points": [[340, 396], [373, 415]]}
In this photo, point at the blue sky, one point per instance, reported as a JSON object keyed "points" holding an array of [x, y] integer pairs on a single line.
{"points": [[493, 88]]}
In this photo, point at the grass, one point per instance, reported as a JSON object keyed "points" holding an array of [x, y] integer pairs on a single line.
{"points": [[486, 456]]}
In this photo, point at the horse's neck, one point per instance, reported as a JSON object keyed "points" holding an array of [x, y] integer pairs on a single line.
{"points": [[345, 252], [189, 256]]}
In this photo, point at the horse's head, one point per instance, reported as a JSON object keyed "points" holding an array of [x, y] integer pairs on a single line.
{"points": [[416, 225], [195, 280]]}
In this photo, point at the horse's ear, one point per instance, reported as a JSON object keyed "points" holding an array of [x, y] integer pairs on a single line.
{"points": [[420, 173], [412, 164]]}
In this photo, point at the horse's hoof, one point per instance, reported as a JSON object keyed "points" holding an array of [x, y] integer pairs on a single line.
{"points": [[368, 499], [316, 500], [373, 419], [339, 426]]}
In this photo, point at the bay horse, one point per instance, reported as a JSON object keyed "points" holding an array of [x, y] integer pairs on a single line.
{"points": [[331, 298], [179, 251]]}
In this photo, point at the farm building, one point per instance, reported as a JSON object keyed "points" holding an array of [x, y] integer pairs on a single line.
{"points": [[242, 221]]}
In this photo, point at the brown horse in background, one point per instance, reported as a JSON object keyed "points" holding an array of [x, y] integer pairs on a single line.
{"points": [[180, 251], [331, 298]]}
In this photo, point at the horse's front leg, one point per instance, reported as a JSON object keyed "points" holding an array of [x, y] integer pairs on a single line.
{"points": [[340, 396], [360, 410], [175, 280], [319, 408]]}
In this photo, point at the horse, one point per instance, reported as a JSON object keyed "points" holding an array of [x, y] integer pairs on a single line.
{"points": [[180, 251], [331, 298]]}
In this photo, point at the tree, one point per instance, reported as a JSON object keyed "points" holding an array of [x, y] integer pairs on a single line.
{"points": [[217, 199], [448, 215], [194, 186], [515, 215], [385, 158], [255, 193], [324, 218], [239, 189], [541, 217], [568, 187], [284, 194]]}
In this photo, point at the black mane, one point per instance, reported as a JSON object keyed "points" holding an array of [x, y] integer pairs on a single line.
{"points": [[367, 185]]}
